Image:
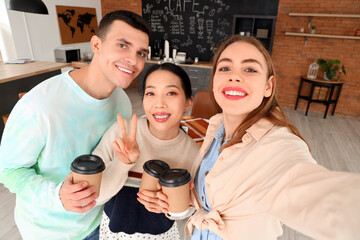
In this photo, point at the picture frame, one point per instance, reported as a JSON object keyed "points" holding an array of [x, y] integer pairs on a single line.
{"points": [[76, 24], [262, 33]]}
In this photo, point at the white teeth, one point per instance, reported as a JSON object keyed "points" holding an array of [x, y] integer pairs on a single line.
{"points": [[125, 70], [161, 116], [235, 93]]}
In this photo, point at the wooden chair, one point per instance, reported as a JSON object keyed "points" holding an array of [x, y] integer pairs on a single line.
{"points": [[6, 116], [204, 106]]}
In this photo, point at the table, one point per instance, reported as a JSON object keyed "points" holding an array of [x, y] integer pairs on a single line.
{"points": [[195, 127], [320, 85]]}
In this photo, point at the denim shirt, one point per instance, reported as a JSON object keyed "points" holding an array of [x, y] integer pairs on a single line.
{"points": [[206, 165]]}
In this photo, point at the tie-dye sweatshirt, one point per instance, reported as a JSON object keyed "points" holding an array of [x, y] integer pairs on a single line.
{"points": [[47, 129]]}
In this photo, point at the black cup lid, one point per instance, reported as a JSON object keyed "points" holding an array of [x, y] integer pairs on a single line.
{"points": [[87, 164], [174, 177], [155, 167]]}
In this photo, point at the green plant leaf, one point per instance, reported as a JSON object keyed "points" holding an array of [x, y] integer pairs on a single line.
{"points": [[330, 67], [330, 74]]}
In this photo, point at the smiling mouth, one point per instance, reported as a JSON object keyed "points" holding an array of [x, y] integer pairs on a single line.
{"points": [[161, 116], [235, 93], [125, 70]]}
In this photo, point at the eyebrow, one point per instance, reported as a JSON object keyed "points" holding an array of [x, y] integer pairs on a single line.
{"points": [[249, 60], [167, 86], [129, 43]]}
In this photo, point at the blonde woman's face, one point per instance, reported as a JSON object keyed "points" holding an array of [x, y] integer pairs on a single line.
{"points": [[240, 82]]}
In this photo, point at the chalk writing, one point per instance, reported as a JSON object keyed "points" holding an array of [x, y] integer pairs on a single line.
{"points": [[147, 8], [190, 26]]}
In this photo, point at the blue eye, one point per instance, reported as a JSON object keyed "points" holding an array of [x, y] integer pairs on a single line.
{"points": [[250, 70], [141, 54], [122, 45], [223, 69]]}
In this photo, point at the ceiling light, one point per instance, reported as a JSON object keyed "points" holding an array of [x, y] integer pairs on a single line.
{"points": [[31, 6]]}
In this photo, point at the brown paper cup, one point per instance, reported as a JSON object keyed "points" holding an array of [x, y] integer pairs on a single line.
{"points": [[148, 182], [178, 199], [151, 174], [175, 185], [88, 168], [91, 179]]}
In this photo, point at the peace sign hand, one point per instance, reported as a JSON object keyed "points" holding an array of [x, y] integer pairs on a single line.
{"points": [[126, 147]]}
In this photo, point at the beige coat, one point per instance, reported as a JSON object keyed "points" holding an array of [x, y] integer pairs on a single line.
{"points": [[271, 179]]}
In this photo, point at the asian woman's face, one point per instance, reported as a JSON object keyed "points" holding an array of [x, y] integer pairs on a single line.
{"points": [[240, 82], [164, 103]]}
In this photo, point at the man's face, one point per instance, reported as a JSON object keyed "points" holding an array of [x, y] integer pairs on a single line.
{"points": [[122, 53]]}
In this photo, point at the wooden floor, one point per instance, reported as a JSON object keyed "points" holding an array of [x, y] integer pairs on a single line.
{"points": [[334, 142]]}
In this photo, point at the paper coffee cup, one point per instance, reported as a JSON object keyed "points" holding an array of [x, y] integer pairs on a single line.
{"points": [[151, 174], [175, 185], [88, 168]]}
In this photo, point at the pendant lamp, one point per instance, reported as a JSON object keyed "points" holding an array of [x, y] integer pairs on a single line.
{"points": [[31, 6]]}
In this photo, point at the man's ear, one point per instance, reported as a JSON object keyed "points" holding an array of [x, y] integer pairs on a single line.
{"points": [[269, 86], [189, 103], [95, 44]]}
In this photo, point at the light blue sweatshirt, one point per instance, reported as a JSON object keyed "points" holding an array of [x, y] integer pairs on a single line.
{"points": [[47, 129]]}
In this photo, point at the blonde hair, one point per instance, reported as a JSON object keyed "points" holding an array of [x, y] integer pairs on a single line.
{"points": [[269, 108]]}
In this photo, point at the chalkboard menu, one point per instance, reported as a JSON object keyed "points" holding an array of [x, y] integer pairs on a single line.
{"points": [[197, 27]]}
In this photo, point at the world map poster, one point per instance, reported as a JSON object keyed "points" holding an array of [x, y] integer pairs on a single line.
{"points": [[76, 24]]}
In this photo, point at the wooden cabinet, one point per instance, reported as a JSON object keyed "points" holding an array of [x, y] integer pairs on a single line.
{"points": [[199, 75], [260, 26]]}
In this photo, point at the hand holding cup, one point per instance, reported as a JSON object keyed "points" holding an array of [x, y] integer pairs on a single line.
{"points": [[157, 201], [77, 197], [152, 202], [82, 186]]}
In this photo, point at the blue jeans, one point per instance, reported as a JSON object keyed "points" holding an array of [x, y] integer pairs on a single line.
{"points": [[94, 235]]}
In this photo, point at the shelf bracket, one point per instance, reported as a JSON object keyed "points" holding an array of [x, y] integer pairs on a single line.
{"points": [[310, 18], [306, 38]]}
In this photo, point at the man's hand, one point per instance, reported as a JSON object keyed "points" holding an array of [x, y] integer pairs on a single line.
{"points": [[126, 147], [76, 197]]}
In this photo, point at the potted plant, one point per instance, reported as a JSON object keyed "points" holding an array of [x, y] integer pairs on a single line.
{"points": [[330, 68]]}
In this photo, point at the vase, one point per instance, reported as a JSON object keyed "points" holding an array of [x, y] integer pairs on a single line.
{"points": [[325, 77]]}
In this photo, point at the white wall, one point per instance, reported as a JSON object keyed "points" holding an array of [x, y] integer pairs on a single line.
{"points": [[6, 40], [44, 33]]}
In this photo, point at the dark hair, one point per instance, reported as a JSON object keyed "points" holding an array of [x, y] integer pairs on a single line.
{"points": [[178, 71], [269, 108], [133, 19]]}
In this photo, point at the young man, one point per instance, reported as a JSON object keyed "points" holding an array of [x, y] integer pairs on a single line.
{"points": [[62, 118]]}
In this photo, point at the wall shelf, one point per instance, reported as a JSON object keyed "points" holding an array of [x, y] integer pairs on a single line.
{"points": [[323, 15], [310, 15], [322, 35]]}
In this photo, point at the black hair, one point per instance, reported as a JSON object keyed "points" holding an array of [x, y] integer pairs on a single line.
{"points": [[178, 71], [133, 19]]}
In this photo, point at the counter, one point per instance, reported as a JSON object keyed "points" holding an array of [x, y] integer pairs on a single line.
{"points": [[200, 64], [80, 64], [10, 72], [199, 74]]}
